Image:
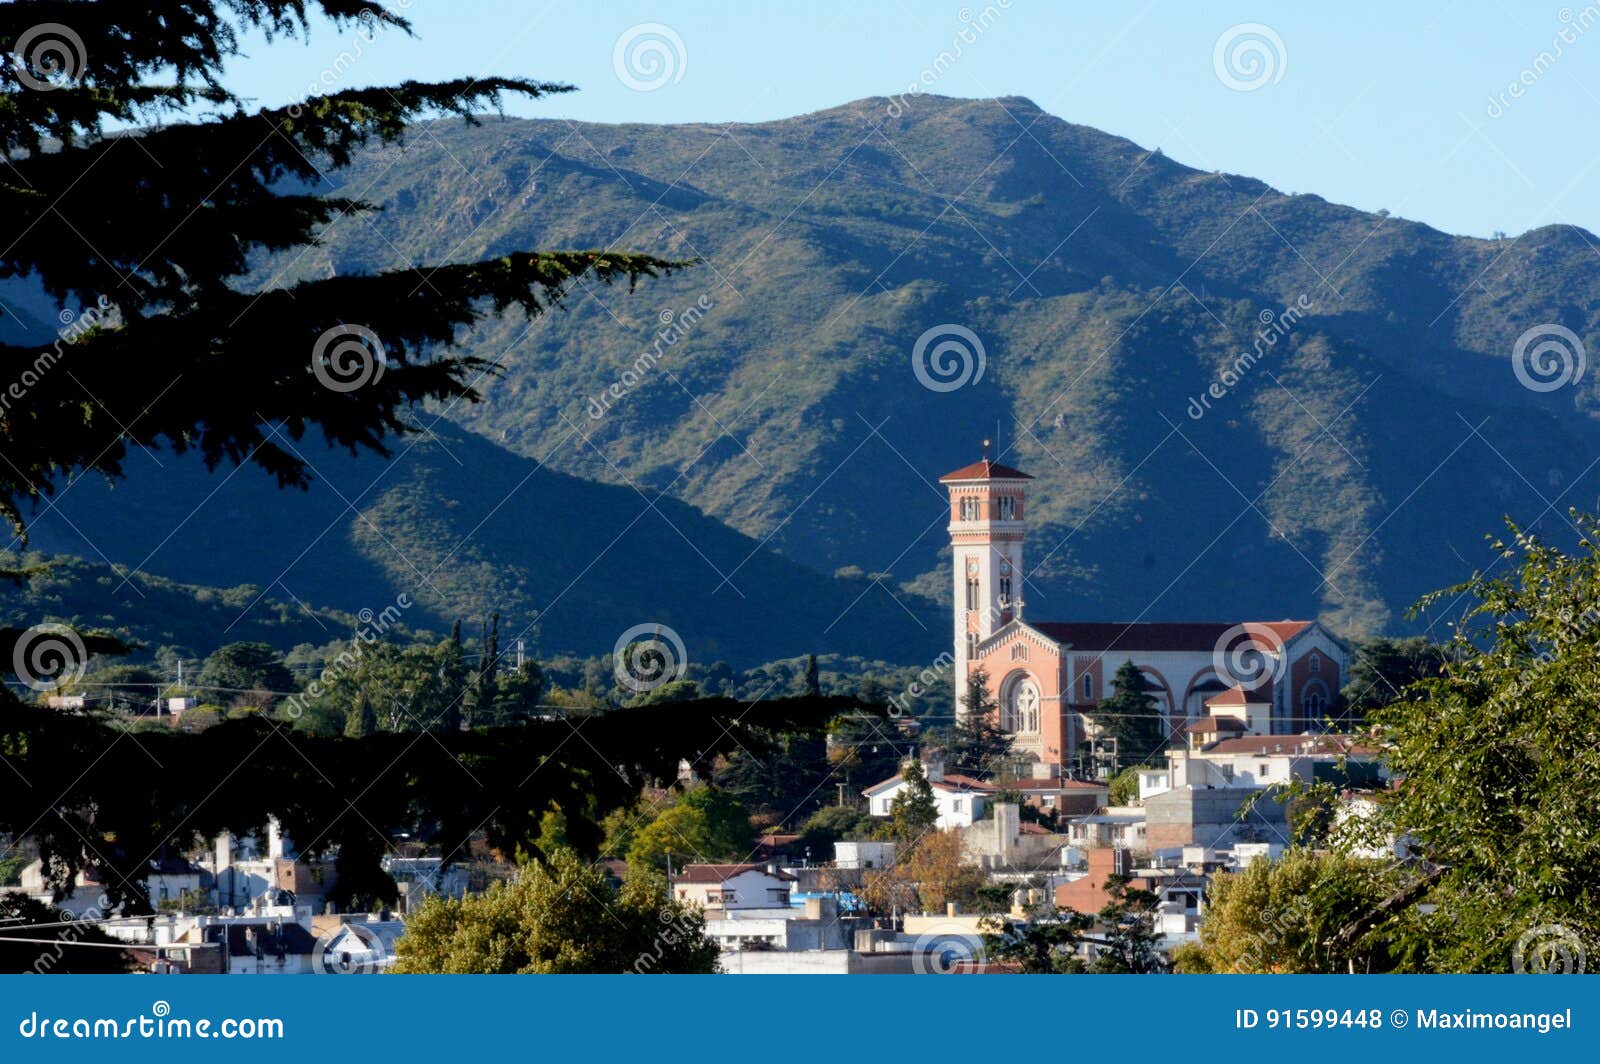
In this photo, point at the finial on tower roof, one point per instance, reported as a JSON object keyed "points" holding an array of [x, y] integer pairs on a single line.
{"points": [[985, 450]]}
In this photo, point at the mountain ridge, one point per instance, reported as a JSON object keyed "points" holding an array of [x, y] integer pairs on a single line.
{"points": [[1356, 465]]}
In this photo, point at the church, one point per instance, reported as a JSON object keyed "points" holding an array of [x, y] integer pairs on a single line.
{"points": [[1210, 680]]}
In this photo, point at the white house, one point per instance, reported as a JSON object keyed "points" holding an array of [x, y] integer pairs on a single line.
{"points": [[961, 799], [1271, 760], [724, 887]]}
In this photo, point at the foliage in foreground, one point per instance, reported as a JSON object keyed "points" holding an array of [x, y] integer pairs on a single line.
{"points": [[500, 782], [562, 917], [1500, 757]]}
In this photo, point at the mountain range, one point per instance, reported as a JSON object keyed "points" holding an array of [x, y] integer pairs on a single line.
{"points": [[705, 451]]}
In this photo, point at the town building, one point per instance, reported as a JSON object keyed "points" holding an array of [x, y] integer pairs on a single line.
{"points": [[1049, 678], [720, 888], [962, 800]]}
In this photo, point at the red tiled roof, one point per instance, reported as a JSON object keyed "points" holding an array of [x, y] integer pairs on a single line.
{"points": [[1233, 696], [956, 781], [1055, 785], [1290, 744], [951, 782], [721, 873], [985, 470], [1156, 635], [1213, 725]]}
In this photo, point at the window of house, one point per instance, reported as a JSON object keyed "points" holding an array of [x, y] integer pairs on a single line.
{"points": [[969, 508], [1088, 686], [1019, 652], [1316, 663], [955, 805], [972, 593], [1265, 767], [972, 644], [1005, 589], [1007, 508]]}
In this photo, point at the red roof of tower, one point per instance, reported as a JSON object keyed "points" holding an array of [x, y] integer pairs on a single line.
{"points": [[985, 470]]}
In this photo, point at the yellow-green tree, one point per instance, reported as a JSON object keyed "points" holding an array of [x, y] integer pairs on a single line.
{"points": [[560, 917]]}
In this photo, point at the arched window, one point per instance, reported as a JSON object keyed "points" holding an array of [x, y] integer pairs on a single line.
{"points": [[1088, 687], [1313, 703], [969, 508], [1316, 663], [1019, 652], [1019, 710], [1007, 508]]}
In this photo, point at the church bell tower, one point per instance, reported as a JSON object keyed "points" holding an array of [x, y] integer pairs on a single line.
{"points": [[986, 525]]}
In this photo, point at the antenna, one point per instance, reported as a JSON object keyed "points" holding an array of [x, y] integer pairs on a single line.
{"points": [[985, 450]]}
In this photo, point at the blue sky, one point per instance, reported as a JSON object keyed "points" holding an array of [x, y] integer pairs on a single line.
{"points": [[1403, 106]]}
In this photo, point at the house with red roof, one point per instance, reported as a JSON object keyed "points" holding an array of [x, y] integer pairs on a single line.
{"points": [[1225, 679]]}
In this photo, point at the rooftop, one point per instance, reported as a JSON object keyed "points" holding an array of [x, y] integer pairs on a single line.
{"points": [[1160, 635], [984, 469], [721, 873]]}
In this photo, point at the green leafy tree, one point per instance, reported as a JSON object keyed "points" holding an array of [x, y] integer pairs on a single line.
{"points": [[363, 721], [913, 812], [562, 917], [706, 824], [1130, 716], [1499, 757], [1286, 916], [833, 824], [975, 744], [1124, 788], [1382, 670], [1046, 944], [174, 336], [236, 671], [1128, 946]]}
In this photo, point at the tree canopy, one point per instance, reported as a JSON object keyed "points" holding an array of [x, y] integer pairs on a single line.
{"points": [[1130, 715], [144, 237], [1499, 754], [558, 917]]}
